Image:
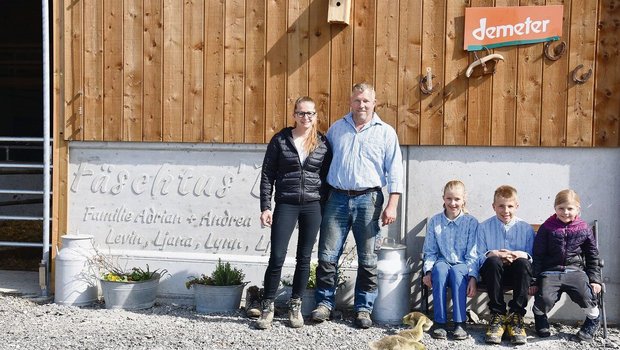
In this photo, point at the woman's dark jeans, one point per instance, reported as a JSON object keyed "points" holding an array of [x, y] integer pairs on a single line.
{"points": [[285, 217]]}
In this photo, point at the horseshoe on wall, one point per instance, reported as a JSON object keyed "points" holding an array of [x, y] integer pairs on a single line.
{"points": [[426, 82], [584, 77], [558, 51]]}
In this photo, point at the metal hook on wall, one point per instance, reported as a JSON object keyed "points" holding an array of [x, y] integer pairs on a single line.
{"points": [[583, 78], [558, 51], [426, 82]]}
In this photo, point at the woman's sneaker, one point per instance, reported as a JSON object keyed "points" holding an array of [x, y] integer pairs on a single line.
{"points": [[266, 317], [295, 318]]}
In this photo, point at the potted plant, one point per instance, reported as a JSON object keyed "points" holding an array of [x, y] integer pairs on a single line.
{"points": [[131, 289], [219, 292]]}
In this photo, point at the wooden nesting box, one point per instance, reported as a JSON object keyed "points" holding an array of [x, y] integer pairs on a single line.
{"points": [[339, 11]]}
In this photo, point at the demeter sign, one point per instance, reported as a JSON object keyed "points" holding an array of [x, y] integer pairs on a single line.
{"points": [[502, 26]]}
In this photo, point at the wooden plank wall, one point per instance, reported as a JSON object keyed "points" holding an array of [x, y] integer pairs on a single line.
{"points": [[228, 71]]}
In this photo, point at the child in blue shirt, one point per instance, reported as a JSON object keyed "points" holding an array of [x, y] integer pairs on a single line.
{"points": [[505, 247], [450, 260]]}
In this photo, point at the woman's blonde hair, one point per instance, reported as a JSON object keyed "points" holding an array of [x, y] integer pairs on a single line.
{"points": [[312, 141], [567, 196], [452, 185]]}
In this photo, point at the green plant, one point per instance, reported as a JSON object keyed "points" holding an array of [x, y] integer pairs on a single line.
{"points": [[109, 269], [287, 280], [346, 261], [312, 280], [135, 275], [223, 275]]}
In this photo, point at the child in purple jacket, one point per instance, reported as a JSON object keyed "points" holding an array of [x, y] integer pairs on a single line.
{"points": [[566, 260]]}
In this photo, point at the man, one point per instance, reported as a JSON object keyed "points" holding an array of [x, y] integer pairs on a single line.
{"points": [[366, 157], [505, 243]]}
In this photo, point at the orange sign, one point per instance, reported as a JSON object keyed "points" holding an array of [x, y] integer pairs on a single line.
{"points": [[503, 26]]}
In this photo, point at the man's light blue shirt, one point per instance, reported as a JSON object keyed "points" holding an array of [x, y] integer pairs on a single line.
{"points": [[493, 234], [452, 241], [365, 159]]}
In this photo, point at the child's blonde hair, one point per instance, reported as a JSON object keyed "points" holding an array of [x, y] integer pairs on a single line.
{"points": [[567, 196], [506, 192], [452, 185]]}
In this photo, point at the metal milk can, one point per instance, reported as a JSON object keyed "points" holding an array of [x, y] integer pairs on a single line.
{"points": [[75, 284], [394, 283]]}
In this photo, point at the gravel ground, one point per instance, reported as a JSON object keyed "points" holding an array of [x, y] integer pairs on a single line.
{"points": [[35, 324]]}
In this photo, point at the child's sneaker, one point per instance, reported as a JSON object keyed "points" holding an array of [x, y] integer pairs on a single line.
{"points": [[439, 332], [495, 331], [542, 325], [459, 332], [515, 329], [588, 329]]}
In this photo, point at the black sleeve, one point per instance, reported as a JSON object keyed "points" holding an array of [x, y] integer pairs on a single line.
{"points": [[539, 251], [268, 174], [590, 253], [324, 170]]}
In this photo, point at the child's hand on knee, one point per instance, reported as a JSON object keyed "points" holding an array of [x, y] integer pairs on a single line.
{"points": [[427, 280], [472, 287], [596, 288]]}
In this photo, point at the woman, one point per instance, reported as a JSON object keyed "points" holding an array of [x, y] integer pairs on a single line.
{"points": [[297, 160]]}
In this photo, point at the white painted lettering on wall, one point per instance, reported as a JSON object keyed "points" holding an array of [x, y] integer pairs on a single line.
{"points": [[115, 180], [173, 201], [509, 30]]}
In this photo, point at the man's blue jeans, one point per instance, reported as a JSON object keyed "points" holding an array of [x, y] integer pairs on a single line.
{"points": [[341, 214]]}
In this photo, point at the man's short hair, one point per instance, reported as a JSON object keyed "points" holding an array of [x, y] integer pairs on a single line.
{"points": [[361, 87]]}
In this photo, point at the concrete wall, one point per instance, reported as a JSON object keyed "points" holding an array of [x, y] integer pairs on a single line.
{"points": [[538, 174], [117, 191]]}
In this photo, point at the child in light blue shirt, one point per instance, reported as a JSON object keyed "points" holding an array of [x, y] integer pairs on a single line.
{"points": [[505, 246], [450, 260]]}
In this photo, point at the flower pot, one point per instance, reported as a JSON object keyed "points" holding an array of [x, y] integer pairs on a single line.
{"points": [[308, 302], [130, 295], [211, 299]]}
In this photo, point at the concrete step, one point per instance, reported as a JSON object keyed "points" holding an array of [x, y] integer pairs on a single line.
{"points": [[20, 283]]}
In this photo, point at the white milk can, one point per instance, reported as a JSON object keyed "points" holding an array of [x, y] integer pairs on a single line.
{"points": [[75, 284], [394, 283]]}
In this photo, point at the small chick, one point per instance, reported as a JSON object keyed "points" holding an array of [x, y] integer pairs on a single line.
{"points": [[408, 339]]}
